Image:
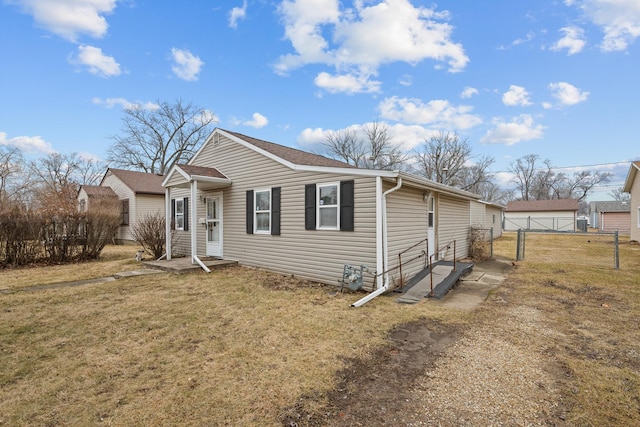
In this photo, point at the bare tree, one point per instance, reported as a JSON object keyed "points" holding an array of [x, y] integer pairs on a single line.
{"points": [[153, 140], [382, 153], [345, 145], [13, 181], [524, 172], [373, 149], [581, 183], [620, 196], [448, 159], [544, 183]]}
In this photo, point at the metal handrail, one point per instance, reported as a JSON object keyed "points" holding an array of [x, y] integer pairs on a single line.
{"points": [[424, 253], [400, 263]]}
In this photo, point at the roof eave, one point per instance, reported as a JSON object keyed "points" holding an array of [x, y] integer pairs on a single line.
{"points": [[630, 178]]}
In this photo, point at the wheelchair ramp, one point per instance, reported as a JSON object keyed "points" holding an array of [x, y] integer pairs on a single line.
{"points": [[444, 277]]}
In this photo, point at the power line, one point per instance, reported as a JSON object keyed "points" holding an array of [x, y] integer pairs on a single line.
{"points": [[577, 167]]}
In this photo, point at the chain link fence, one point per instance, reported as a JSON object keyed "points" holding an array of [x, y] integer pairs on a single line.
{"points": [[582, 249]]}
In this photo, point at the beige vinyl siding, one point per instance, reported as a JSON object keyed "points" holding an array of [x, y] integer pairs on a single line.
{"points": [[311, 254], [493, 220], [147, 204], [454, 216], [634, 234], [478, 211], [123, 192], [406, 227]]}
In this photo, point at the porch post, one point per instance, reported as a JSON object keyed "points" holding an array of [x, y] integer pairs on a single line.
{"points": [[194, 220], [167, 221]]}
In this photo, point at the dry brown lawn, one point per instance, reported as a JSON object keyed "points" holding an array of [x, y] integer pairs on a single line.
{"points": [[241, 346]]}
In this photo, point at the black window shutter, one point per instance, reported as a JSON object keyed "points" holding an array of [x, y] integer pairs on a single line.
{"points": [[185, 208], [346, 205], [249, 212], [310, 207], [173, 214], [275, 211]]}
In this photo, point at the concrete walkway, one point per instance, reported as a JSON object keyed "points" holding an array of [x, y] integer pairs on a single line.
{"points": [[124, 274]]}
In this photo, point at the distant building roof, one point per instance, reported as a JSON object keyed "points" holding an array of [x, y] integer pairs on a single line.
{"points": [[94, 191], [139, 182], [542, 205], [610, 206]]}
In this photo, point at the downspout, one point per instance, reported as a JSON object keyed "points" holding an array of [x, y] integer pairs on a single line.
{"points": [[382, 226]]}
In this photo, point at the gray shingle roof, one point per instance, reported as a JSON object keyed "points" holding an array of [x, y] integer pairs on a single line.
{"points": [[610, 206]]}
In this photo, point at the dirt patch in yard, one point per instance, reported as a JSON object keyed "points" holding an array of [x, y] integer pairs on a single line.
{"points": [[378, 390]]}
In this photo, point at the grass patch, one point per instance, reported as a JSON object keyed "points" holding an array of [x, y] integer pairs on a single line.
{"points": [[113, 259]]}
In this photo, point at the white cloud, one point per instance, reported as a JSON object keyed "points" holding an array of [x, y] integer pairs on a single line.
{"points": [[346, 83], [573, 40], [406, 80], [125, 104], [258, 121], [618, 19], [352, 41], [516, 95], [520, 128], [468, 92], [186, 65], [437, 113], [567, 94], [96, 62], [69, 18], [27, 144], [236, 14]]}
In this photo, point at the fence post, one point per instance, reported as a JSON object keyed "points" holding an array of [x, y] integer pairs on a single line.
{"points": [[491, 242], [518, 244], [616, 251]]}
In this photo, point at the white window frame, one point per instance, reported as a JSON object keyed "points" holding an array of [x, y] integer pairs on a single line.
{"points": [[639, 217], [320, 206], [256, 211], [179, 214]]}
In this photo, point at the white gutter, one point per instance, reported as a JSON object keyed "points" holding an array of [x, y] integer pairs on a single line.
{"points": [[381, 223]]}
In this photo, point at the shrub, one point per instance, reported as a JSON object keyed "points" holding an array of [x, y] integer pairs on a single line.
{"points": [[150, 233]]}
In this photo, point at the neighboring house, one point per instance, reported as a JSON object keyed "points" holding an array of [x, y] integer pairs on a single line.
{"points": [[632, 186], [286, 210], [610, 216], [555, 215], [139, 193], [488, 216], [90, 194]]}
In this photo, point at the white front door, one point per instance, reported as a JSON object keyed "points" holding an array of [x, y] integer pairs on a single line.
{"points": [[431, 223], [214, 226]]}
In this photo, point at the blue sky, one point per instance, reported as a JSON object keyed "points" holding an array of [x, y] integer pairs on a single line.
{"points": [[553, 78]]}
